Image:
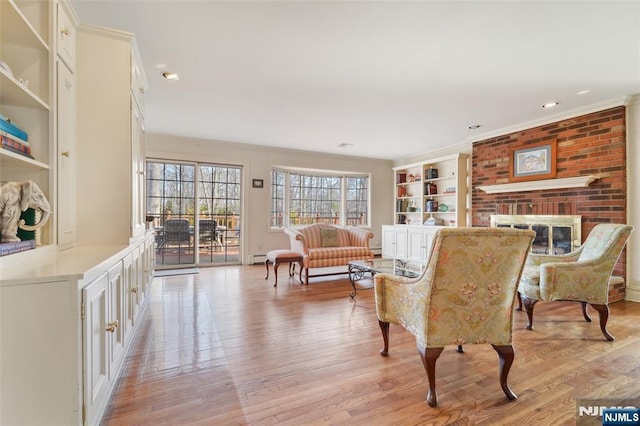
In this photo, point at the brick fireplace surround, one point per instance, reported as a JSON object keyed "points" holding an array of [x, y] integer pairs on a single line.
{"points": [[592, 144]]}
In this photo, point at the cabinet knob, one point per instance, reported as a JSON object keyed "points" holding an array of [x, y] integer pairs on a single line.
{"points": [[64, 32], [66, 154], [111, 327]]}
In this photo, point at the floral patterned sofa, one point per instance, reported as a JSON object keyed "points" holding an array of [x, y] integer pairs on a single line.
{"points": [[324, 245]]}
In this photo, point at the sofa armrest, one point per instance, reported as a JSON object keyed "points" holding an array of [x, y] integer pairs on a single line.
{"points": [[297, 240], [360, 236]]}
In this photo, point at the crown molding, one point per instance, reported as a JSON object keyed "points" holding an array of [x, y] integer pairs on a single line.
{"points": [[601, 106]]}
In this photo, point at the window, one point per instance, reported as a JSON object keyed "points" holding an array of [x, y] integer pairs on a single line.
{"points": [[301, 198]]}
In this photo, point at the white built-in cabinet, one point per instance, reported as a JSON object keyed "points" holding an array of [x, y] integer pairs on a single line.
{"points": [[407, 242], [65, 331], [69, 308], [111, 304], [110, 86]]}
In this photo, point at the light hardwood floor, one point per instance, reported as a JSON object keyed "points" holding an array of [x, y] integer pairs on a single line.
{"points": [[224, 347]]}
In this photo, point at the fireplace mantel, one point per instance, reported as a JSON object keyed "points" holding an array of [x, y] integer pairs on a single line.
{"points": [[537, 185]]}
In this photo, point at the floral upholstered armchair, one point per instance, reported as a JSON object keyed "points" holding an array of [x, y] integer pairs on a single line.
{"points": [[582, 275], [466, 295]]}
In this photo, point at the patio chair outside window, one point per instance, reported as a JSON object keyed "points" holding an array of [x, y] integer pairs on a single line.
{"points": [[177, 232]]}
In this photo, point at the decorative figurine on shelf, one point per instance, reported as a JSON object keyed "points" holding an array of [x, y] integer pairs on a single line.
{"points": [[16, 197]]}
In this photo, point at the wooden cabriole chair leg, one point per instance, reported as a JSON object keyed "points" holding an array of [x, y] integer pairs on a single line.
{"points": [[519, 307], [384, 326], [506, 359], [429, 357], [603, 314], [586, 316], [528, 306]]}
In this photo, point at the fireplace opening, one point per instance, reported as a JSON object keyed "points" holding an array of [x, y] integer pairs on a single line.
{"points": [[555, 234]]}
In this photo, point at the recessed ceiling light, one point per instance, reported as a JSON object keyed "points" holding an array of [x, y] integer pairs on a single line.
{"points": [[473, 127], [170, 75], [583, 92], [550, 104]]}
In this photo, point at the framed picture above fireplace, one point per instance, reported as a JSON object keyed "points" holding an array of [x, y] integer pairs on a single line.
{"points": [[533, 162]]}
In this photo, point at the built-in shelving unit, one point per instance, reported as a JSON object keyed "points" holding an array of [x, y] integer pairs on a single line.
{"points": [[26, 92], [432, 192]]}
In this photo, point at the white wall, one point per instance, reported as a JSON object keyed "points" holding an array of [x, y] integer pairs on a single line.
{"points": [[257, 161]]}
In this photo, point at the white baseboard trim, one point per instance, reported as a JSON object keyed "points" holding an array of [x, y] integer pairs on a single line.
{"points": [[632, 294]]}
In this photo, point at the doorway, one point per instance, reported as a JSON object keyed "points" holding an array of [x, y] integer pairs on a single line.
{"points": [[195, 211]]}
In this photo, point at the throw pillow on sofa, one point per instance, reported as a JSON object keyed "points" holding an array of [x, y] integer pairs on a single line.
{"points": [[329, 237]]}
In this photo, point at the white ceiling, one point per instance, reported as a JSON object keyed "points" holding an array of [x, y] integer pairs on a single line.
{"points": [[392, 78]]}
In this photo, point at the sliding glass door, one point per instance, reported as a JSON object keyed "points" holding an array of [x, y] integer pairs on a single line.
{"points": [[219, 214], [190, 236]]}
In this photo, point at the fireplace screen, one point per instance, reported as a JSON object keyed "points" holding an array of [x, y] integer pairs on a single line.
{"points": [[554, 234]]}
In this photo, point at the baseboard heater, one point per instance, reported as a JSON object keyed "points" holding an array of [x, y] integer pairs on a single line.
{"points": [[254, 259]]}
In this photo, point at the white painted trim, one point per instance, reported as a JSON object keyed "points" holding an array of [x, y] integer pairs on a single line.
{"points": [[632, 294], [597, 107], [536, 185]]}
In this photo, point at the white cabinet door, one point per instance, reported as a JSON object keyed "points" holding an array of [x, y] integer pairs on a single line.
{"points": [[96, 347], [115, 319], [137, 295], [149, 260], [429, 234], [137, 173], [394, 242], [66, 157], [66, 35], [388, 242], [128, 283], [416, 249], [400, 236]]}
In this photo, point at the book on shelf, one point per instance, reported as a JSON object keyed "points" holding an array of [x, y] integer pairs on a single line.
{"points": [[15, 138], [16, 247], [12, 129], [13, 146]]}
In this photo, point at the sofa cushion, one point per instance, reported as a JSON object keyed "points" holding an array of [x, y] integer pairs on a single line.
{"points": [[339, 253]]}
